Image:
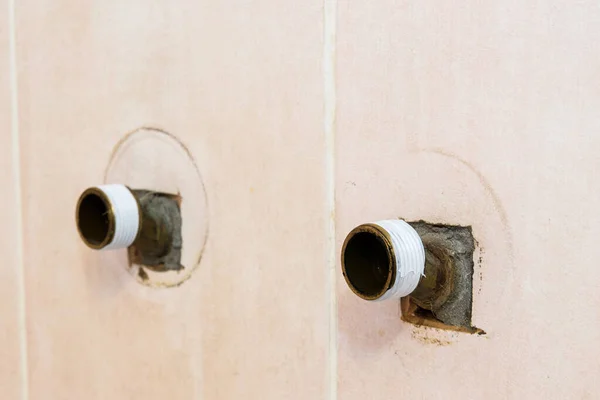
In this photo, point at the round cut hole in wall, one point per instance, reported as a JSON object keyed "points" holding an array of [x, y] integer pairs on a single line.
{"points": [[154, 160]]}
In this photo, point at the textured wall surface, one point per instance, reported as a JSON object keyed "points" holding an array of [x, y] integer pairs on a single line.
{"points": [[482, 113], [240, 84]]}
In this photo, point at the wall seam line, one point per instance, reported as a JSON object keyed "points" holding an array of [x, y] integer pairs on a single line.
{"points": [[16, 171], [329, 82]]}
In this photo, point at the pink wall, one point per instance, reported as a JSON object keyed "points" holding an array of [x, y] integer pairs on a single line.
{"points": [[483, 113], [478, 113]]}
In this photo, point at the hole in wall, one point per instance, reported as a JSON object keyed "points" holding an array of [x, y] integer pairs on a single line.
{"points": [[449, 267], [158, 161], [158, 247]]}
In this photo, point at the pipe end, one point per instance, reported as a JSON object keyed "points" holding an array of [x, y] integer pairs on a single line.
{"points": [[383, 260], [108, 217]]}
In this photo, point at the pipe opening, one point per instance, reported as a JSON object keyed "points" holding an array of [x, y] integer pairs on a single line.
{"points": [[93, 219], [367, 264]]}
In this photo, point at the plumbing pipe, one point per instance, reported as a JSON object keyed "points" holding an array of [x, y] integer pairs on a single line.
{"points": [[383, 260], [108, 217]]}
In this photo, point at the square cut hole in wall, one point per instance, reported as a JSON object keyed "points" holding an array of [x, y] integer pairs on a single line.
{"points": [[158, 246], [444, 297]]}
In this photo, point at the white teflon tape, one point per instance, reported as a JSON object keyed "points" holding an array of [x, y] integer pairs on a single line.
{"points": [[126, 212], [410, 257]]}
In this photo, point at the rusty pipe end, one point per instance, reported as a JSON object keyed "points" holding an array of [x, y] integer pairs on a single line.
{"points": [[368, 261], [108, 217]]}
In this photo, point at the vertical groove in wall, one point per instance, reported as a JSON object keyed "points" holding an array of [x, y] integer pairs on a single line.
{"points": [[329, 28], [16, 169]]}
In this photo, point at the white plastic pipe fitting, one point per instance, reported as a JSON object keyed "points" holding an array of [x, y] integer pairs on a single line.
{"points": [[108, 217], [383, 260]]}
